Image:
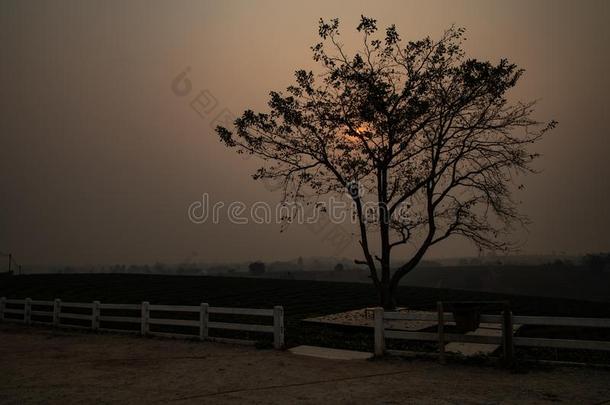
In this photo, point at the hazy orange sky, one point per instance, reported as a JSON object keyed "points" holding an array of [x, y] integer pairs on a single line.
{"points": [[100, 159]]}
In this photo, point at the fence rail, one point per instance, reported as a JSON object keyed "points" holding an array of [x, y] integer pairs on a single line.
{"points": [[175, 308], [41, 302], [506, 340], [563, 321], [98, 314]]}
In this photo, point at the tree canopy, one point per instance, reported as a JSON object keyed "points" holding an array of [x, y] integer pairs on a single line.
{"points": [[427, 133]]}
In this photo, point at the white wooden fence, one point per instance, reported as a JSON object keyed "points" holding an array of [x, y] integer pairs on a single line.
{"points": [[97, 315], [506, 340]]}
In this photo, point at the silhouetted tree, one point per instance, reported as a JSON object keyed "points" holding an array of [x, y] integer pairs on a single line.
{"points": [[425, 133], [257, 268]]}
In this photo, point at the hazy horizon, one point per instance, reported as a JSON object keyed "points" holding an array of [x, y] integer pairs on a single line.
{"points": [[101, 159]]}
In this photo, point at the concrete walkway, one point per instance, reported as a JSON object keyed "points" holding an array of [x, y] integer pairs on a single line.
{"points": [[328, 353], [470, 349]]}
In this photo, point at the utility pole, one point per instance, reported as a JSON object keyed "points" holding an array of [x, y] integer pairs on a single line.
{"points": [[10, 259]]}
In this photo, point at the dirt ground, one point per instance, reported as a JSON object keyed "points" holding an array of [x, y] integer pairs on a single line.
{"points": [[39, 365]]}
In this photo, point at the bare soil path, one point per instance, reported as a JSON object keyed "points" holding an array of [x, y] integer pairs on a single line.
{"points": [[40, 365]]}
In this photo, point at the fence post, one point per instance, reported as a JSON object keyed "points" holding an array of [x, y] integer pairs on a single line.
{"points": [[204, 317], [27, 311], [145, 315], [441, 332], [95, 315], [507, 337], [278, 327], [2, 307], [56, 311], [379, 331]]}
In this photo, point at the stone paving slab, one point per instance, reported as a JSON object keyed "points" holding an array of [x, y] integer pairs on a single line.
{"points": [[328, 353], [470, 349]]}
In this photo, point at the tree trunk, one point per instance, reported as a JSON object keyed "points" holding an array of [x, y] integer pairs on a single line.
{"points": [[390, 295], [387, 297]]}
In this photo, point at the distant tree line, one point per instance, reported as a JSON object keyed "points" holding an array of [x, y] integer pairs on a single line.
{"points": [[597, 261]]}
